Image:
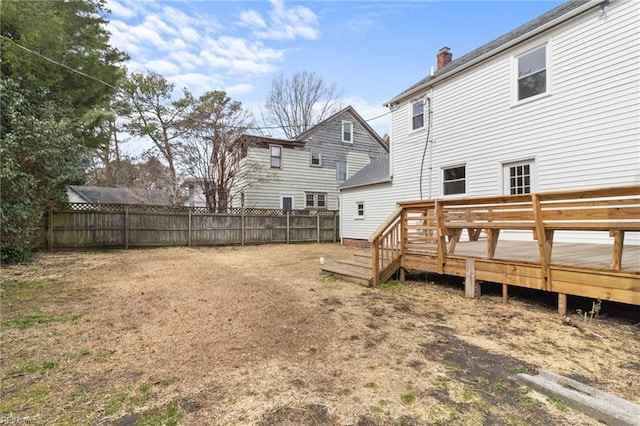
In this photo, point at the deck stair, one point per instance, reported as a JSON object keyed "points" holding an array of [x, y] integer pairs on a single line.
{"points": [[357, 270]]}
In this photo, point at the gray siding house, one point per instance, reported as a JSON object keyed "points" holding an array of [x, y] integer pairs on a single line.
{"points": [[305, 172]]}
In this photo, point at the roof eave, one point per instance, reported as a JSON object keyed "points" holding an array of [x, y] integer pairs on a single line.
{"points": [[544, 27], [385, 180]]}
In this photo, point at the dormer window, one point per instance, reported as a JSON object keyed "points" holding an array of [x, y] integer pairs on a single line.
{"points": [[347, 132], [417, 115]]}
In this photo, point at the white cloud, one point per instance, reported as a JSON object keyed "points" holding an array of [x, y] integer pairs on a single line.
{"points": [[120, 10], [163, 67], [283, 23]]}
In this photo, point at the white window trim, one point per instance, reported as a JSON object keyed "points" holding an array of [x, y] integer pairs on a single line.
{"points": [[424, 116], [357, 216], [293, 200], [311, 158], [271, 156], [346, 171], [504, 166], [466, 180], [514, 73], [350, 123], [315, 200]]}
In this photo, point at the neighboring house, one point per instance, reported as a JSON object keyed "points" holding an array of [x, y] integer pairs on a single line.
{"points": [[194, 193], [106, 195], [304, 173], [552, 105]]}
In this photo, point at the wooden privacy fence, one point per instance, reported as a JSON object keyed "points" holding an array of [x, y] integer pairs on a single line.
{"points": [[121, 225]]}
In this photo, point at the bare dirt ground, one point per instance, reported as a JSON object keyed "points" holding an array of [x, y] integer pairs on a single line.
{"points": [[255, 335]]}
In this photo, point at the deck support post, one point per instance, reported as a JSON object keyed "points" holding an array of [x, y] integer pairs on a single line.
{"points": [[505, 293], [618, 245], [375, 262], [471, 285], [402, 274], [562, 304]]}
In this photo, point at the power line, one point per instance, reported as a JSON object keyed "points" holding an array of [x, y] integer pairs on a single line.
{"points": [[119, 89], [60, 64]]}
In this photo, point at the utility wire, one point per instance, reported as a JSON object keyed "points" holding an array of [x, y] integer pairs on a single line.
{"points": [[119, 89], [59, 63]]}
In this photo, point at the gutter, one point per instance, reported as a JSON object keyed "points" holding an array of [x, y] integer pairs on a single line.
{"points": [[544, 27], [386, 180]]}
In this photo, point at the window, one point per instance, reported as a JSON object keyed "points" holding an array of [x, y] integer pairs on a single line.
{"points": [[276, 156], [316, 158], [360, 210], [286, 202], [518, 178], [532, 73], [341, 171], [417, 115], [315, 200], [453, 180], [347, 131]]}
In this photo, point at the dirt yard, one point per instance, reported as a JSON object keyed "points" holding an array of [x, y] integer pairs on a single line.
{"points": [[256, 336]]}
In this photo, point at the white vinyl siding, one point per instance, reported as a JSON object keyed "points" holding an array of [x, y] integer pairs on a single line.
{"points": [[379, 202], [584, 135]]}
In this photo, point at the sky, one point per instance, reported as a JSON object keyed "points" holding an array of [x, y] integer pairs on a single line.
{"points": [[371, 50]]}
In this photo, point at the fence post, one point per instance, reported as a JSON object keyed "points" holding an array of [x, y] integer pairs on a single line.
{"points": [[126, 227], [318, 226], [288, 228], [335, 230], [242, 227], [50, 228], [189, 236]]}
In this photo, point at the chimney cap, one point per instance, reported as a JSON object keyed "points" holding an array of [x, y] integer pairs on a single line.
{"points": [[444, 49]]}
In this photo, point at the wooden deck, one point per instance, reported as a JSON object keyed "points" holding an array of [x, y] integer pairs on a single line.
{"points": [[427, 236]]}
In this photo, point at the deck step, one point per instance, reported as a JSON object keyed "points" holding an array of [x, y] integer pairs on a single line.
{"points": [[356, 266], [364, 257], [347, 275]]}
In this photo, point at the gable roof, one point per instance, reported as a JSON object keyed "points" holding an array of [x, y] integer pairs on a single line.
{"points": [[300, 140], [349, 109], [543, 22], [108, 195], [377, 171]]}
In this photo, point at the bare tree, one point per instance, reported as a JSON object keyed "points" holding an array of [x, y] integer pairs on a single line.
{"points": [[156, 116], [300, 102], [213, 151]]}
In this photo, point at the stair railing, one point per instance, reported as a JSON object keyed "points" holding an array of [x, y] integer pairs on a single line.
{"points": [[387, 247]]}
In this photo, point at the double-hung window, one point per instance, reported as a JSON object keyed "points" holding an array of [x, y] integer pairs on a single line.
{"points": [[316, 158], [315, 200], [532, 73], [347, 132], [454, 180], [276, 156], [417, 115], [341, 171]]}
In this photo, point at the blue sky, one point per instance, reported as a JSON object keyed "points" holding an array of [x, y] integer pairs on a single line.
{"points": [[372, 50]]}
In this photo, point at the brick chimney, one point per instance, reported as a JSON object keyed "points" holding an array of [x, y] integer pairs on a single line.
{"points": [[444, 57]]}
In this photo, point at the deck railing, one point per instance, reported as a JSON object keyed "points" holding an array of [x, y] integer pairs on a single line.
{"points": [[437, 226]]}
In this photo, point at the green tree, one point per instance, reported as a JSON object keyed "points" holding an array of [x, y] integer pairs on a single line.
{"points": [[40, 157], [57, 73], [156, 116], [43, 41]]}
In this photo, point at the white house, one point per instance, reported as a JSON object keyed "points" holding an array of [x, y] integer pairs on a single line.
{"points": [[551, 105], [304, 173]]}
